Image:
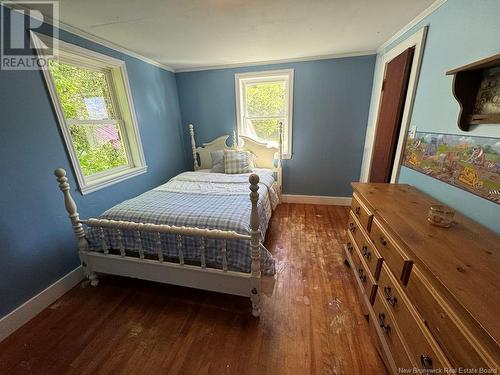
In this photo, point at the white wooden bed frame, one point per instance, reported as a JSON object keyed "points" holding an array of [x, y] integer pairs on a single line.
{"points": [[159, 270]]}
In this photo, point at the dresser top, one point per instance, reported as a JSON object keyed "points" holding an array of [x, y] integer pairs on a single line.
{"points": [[464, 259]]}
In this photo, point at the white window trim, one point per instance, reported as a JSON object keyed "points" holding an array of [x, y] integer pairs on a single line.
{"points": [[125, 105], [263, 76]]}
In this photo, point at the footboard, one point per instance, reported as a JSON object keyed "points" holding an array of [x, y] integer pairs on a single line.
{"points": [[157, 269]]}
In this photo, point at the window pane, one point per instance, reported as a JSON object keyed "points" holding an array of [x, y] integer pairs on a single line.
{"points": [[84, 93], [98, 147], [267, 129], [266, 99]]}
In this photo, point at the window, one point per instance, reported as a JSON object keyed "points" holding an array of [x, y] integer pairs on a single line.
{"points": [[91, 97], [263, 100]]}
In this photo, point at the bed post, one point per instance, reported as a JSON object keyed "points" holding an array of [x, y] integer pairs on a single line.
{"points": [[78, 228], [280, 158], [235, 140], [193, 147], [255, 243]]}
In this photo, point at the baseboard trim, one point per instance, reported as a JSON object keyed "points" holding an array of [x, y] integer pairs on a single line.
{"points": [[316, 199], [28, 310]]}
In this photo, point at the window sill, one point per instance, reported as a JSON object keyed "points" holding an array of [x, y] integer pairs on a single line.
{"points": [[113, 179]]}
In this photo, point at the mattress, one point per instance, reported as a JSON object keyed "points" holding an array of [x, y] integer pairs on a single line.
{"points": [[196, 199]]}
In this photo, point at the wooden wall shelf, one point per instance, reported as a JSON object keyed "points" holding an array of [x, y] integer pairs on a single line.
{"points": [[476, 87]]}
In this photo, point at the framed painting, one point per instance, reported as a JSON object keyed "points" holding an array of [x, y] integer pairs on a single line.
{"points": [[470, 163]]}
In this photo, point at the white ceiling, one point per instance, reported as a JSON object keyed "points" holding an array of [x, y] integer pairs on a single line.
{"points": [[186, 34]]}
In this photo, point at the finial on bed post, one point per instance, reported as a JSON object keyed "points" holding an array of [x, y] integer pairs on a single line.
{"points": [[193, 147], [255, 244]]}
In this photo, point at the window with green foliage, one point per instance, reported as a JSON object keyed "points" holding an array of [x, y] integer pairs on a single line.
{"points": [[264, 101], [92, 117], [93, 103]]}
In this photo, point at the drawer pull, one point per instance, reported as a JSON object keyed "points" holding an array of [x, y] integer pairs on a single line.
{"points": [[366, 253], [361, 276], [383, 241], [352, 227], [385, 327], [389, 297], [426, 361], [357, 211], [349, 247], [381, 319]]}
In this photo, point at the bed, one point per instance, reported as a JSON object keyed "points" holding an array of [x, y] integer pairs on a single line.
{"points": [[200, 229]]}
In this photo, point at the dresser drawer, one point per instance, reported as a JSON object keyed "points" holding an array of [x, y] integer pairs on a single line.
{"points": [[361, 271], [356, 229], [380, 343], [399, 263], [361, 212], [389, 331], [370, 254], [365, 303], [352, 225], [443, 324], [422, 348]]}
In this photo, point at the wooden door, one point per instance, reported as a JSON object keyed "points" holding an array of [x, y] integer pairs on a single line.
{"points": [[394, 88]]}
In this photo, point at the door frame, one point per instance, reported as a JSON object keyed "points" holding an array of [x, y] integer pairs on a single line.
{"points": [[416, 40]]}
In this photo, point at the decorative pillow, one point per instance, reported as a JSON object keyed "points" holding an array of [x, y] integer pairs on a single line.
{"points": [[217, 161], [237, 161]]}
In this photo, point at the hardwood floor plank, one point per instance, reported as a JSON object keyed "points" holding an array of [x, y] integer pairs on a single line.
{"points": [[312, 324]]}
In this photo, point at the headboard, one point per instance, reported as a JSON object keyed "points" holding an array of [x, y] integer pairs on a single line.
{"points": [[265, 155], [201, 155]]}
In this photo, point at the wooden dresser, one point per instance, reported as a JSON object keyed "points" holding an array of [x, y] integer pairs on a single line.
{"points": [[431, 295]]}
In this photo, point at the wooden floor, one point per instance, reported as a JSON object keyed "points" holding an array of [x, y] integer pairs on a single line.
{"points": [[312, 324]]}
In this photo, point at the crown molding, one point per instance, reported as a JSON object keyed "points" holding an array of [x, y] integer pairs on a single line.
{"points": [[277, 61], [93, 38], [433, 7]]}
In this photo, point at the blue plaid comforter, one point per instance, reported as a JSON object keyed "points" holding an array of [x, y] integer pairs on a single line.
{"points": [[201, 200]]}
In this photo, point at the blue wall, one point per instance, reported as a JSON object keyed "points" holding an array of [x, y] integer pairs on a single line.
{"points": [[330, 111], [37, 243], [460, 32]]}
